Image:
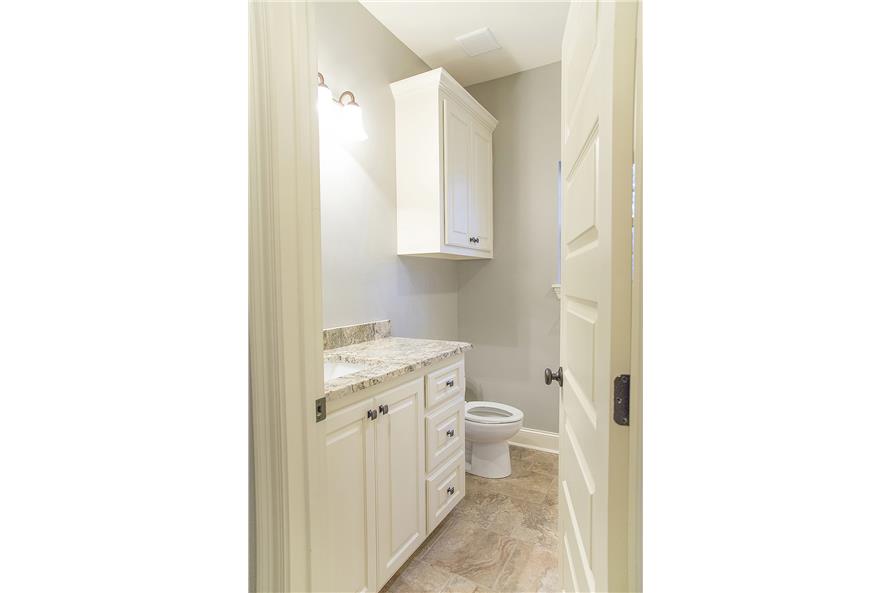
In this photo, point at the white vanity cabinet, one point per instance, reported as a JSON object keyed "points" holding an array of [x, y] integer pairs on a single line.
{"points": [[443, 169], [375, 487], [395, 468]]}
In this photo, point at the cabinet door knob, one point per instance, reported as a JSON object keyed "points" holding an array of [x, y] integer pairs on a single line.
{"points": [[450, 432], [450, 383], [372, 414], [384, 409], [450, 490]]}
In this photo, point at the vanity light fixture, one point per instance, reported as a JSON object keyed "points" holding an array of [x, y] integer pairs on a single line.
{"points": [[341, 116], [352, 128]]}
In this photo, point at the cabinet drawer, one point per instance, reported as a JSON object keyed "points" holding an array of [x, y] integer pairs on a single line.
{"points": [[445, 383], [445, 433], [445, 489]]}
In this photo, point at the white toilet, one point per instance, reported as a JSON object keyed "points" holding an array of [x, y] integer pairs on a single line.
{"points": [[488, 426]]}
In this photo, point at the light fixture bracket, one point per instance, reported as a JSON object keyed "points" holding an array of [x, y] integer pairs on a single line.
{"points": [[352, 100]]}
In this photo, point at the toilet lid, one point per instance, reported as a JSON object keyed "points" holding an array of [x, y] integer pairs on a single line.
{"points": [[491, 413]]}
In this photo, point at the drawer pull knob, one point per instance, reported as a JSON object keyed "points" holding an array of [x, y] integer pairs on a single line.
{"points": [[450, 383], [450, 432], [450, 490]]}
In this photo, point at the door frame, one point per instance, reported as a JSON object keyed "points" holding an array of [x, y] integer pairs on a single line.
{"points": [[635, 445], [285, 301]]}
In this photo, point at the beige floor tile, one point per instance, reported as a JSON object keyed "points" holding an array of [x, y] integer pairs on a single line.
{"points": [[552, 496], [536, 523], [524, 483], [459, 584], [417, 577], [472, 551], [544, 462], [529, 569]]}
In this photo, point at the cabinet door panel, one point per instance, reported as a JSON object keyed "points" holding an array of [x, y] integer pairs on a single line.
{"points": [[457, 178], [349, 452], [400, 476], [480, 214]]}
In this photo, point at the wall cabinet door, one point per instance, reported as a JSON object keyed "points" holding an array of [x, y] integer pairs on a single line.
{"points": [[399, 439], [457, 172], [350, 460], [480, 215]]}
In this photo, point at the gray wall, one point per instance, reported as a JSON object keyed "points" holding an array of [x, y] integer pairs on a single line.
{"points": [[506, 306], [362, 277]]}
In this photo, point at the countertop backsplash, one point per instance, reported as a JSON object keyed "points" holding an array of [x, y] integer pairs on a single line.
{"points": [[338, 337]]}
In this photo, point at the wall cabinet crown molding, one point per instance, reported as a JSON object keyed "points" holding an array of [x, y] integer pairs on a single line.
{"points": [[443, 169]]}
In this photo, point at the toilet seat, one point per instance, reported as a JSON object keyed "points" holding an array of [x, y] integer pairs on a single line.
{"points": [[491, 413]]}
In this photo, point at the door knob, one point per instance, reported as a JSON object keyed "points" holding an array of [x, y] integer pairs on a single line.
{"points": [[551, 376]]}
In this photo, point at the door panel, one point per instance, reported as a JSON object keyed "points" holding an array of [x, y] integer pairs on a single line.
{"points": [[400, 476], [349, 452], [480, 225], [596, 134], [575, 570], [457, 158]]}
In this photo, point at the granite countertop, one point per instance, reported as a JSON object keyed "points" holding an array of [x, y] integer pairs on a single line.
{"points": [[384, 358]]}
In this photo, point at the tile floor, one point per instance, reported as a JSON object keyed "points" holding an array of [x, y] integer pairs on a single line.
{"points": [[501, 538]]}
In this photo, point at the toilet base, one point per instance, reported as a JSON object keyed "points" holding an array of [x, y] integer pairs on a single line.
{"points": [[489, 460]]}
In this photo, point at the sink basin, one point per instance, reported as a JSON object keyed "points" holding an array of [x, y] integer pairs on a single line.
{"points": [[336, 368]]}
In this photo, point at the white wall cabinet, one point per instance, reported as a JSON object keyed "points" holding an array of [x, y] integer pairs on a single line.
{"points": [[393, 473], [443, 169]]}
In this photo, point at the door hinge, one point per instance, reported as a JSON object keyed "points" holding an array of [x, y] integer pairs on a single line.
{"points": [[321, 410], [621, 399]]}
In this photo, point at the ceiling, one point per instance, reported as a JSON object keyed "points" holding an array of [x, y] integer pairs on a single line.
{"points": [[530, 34]]}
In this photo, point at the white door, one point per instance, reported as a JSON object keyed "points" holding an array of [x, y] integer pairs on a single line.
{"points": [[596, 136], [456, 147], [399, 452], [480, 224], [349, 452]]}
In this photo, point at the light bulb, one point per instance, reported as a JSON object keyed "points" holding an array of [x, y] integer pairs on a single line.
{"points": [[352, 127], [325, 98]]}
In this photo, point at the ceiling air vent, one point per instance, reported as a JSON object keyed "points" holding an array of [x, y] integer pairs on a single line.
{"points": [[478, 42]]}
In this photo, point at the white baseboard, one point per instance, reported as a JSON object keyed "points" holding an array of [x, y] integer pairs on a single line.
{"points": [[541, 440]]}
